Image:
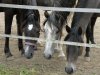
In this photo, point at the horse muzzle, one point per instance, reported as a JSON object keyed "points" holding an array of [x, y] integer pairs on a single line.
{"points": [[70, 69], [29, 50]]}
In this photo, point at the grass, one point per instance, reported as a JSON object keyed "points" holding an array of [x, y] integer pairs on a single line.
{"points": [[13, 71]]}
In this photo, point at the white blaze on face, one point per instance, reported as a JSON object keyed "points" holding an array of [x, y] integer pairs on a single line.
{"points": [[26, 49], [30, 27], [47, 28], [49, 46], [50, 31]]}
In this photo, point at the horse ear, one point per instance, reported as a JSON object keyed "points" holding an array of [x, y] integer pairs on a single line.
{"points": [[46, 14], [68, 29], [79, 30]]}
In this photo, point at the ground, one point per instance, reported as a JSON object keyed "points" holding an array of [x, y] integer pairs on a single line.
{"points": [[56, 65]]}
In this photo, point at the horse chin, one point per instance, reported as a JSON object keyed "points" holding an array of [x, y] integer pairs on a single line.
{"points": [[29, 51]]}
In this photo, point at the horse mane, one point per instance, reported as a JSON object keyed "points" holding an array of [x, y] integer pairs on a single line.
{"points": [[63, 3], [74, 36], [29, 15], [28, 2], [58, 14]]}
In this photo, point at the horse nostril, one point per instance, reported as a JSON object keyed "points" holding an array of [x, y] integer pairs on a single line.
{"points": [[69, 70], [31, 54], [48, 56]]}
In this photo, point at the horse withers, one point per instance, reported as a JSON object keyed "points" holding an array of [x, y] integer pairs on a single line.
{"points": [[80, 23], [28, 22]]}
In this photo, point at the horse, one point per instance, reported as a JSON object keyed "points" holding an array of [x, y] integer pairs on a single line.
{"points": [[80, 23], [28, 22], [8, 23], [53, 27]]}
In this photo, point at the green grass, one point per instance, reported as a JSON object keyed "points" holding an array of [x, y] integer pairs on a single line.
{"points": [[13, 71]]}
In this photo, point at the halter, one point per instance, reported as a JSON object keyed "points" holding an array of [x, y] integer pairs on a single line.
{"points": [[31, 44]]}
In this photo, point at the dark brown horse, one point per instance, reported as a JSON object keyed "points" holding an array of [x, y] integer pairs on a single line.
{"points": [[80, 23], [28, 22], [24, 18]]}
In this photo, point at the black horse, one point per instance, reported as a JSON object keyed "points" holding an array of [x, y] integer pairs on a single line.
{"points": [[80, 22], [23, 13], [28, 22]]}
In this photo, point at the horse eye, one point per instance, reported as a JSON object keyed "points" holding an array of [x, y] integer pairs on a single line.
{"points": [[57, 31], [37, 31]]}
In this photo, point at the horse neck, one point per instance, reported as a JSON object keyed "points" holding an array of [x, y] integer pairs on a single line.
{"points": [[44, 2], [61, 14], [71, 3], [0, 1], [29, 2], [33, 2], [63, 3], [82, 19]]}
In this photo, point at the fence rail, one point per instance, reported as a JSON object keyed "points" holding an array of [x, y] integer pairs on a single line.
{"points": [[54, 41], [90, 10]]}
